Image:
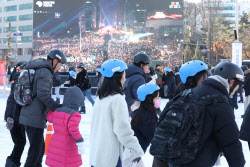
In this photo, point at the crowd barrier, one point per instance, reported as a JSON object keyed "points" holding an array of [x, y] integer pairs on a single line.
{"points": [[5, 87]]}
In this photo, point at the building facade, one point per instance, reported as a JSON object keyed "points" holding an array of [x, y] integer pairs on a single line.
{"points": [[20, 15]]}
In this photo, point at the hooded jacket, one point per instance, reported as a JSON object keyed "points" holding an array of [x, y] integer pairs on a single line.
{"points": [[220, 132], [34, 115], [62, 150], [135, 77]]}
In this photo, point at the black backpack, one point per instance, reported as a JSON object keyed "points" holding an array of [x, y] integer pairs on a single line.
{"points": [[23, 89], [177, 135]]}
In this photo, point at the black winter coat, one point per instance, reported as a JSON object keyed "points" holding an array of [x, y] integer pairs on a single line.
{"points": [[144, 130], [177, 79], [245, 126], [56, 79], [12, 108], [220, 132], [82, 80], [169, 85], [247, 82]]}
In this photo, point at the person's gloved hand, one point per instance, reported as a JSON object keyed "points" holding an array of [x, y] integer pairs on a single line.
{"points": [[136, 160], [80, 148], [10, 123]]}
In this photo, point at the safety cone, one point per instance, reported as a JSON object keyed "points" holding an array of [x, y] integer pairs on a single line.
{"points": [[49, 133]]}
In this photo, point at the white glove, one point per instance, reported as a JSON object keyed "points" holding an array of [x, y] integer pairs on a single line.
{"points": [[80, 148]]}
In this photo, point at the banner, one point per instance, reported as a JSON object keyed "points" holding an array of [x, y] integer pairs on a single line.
{"points": [[237, 53]]}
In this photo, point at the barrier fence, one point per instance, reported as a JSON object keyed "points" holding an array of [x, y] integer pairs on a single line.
{"points": [[5, 89]]}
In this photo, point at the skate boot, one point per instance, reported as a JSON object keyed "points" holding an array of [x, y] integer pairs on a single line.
{"points": [[10, 163]]}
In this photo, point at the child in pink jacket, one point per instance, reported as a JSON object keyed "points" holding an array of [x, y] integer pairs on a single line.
{"points": [[63, 151]]}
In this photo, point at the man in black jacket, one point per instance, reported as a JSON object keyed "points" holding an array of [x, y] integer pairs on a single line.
{"points": [[33, 116], [17, 131], [82, 81], [220, 132], [56, 84], [169, 83]]}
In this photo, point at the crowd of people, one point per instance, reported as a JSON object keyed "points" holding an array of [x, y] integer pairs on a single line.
{"points": [[196, 127], [94, 51]]}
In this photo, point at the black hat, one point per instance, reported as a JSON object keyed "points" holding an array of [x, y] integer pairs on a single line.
{"points": [[229, 71]]}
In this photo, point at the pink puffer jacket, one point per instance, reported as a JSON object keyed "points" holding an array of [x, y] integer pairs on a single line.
{"points": [[62, 151]]}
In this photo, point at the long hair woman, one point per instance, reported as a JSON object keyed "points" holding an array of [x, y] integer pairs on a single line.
{"points": [[110, 127]]}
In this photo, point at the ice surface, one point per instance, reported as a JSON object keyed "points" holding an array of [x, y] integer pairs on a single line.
{"points": [[6, 144]]}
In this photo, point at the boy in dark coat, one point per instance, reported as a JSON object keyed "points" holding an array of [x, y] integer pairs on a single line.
{"points": [[169, 85], [17, 131]]}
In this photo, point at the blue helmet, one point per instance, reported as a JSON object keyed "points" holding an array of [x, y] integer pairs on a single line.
{"points": [[109, 67], [98, 69], [167, 69], [146, 89], [72, 73], [191, 68]]}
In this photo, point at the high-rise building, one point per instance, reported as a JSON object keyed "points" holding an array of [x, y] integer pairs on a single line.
{"points": [[140, 17], [121, 14], [20, 15], [89, 15]]}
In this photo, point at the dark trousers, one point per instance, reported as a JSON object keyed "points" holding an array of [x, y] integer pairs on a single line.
{"points": [[19, 140], [37, 147]]}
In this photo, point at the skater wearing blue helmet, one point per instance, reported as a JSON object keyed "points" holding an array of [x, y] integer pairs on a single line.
{"points": [[110, 127]]}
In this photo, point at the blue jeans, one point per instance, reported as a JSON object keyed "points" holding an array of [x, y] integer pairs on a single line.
{"points": [[87, 93]]}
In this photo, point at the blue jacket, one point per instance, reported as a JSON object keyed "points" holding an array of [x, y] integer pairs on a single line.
{"points": [[135, 77]]}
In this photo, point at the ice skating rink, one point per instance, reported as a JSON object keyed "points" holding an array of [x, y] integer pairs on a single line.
{"points": [[6, 143]]}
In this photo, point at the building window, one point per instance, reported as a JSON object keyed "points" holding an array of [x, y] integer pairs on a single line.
{"points": [[0, 8], [10, 19], [10, 8], [26, 39], [13, 39], [0, 30], [25, 6], [6, 29], [0, 19], [25, 17], [25, 28], [9, 0]]}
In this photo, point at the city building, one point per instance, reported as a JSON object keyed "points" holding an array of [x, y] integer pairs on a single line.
{"points": [[20, 15]]}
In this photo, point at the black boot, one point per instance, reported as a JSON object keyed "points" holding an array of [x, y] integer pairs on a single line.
{"points": [[58, 100], [83, 110], [10, 163]]}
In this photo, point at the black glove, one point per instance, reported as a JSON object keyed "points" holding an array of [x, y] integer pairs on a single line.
{"points": [[136, 160], [10, 123]]}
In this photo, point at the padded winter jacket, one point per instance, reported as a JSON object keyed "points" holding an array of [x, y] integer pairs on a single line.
{"points": [[135, 77], [82, 80], [245, 126], [220, 132], [35, 114], [159, 74], [62, 150]]}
